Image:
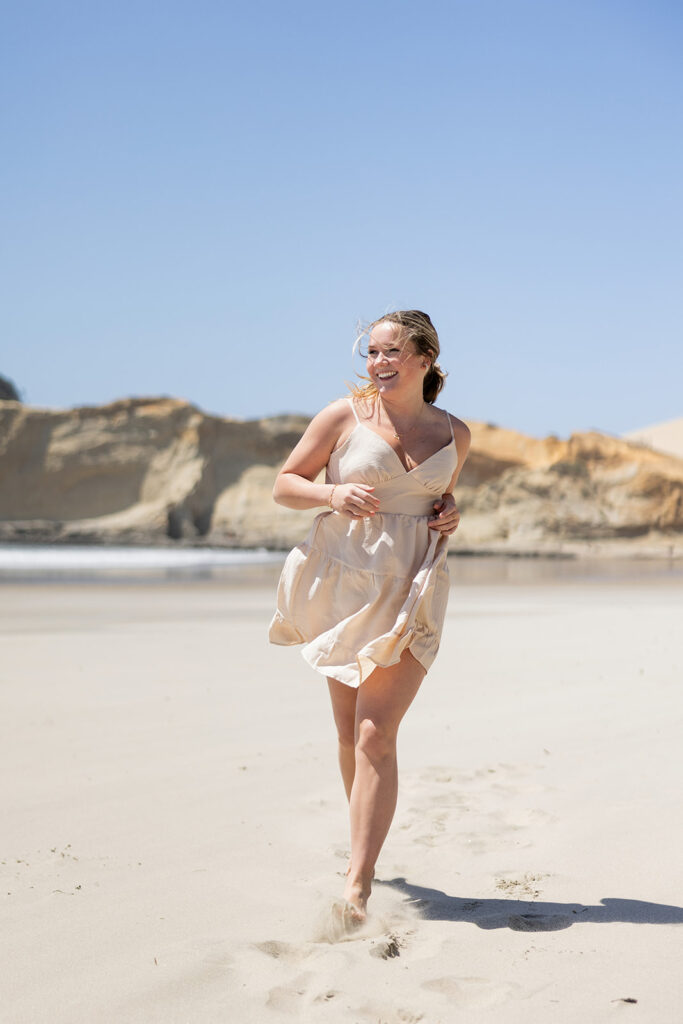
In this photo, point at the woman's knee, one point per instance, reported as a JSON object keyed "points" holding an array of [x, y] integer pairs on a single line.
{"points": [[346, 735], [376, 740], [344, 709], [345, 723]]}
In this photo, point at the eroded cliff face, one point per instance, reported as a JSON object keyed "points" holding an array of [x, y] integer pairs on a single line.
{"points": [[138, 470], [549, 493], [160, 470]]}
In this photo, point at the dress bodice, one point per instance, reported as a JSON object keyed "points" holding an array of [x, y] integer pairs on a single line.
{"points": [[367, 458]]}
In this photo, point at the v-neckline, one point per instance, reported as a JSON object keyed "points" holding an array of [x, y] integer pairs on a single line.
{"points": [[392, 449]]}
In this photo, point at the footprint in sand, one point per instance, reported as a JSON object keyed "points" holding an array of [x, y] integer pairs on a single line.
{"points": [[325, 997], [492, 800], [287, 998], [387, 950], [528, 886], [474, 993], [279, 950]]}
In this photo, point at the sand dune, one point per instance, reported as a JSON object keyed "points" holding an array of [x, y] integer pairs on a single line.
{"points": [[664, 437]]}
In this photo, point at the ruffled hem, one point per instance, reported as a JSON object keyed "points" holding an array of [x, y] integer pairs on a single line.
{"points": [[381, 652], [390, 614]]}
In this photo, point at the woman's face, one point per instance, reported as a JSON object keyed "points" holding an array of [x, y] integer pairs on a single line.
{"points": [[393, 364]]}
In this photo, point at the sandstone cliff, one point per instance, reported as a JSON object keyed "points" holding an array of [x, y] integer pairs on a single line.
{"points": [[592, 491], [160, 470]]}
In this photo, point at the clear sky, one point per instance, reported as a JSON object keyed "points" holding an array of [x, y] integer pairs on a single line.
{"points": [[202, 198]]}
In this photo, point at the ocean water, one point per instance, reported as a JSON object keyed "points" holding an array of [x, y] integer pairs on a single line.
{"points": [[62, 563], [69, 562]]}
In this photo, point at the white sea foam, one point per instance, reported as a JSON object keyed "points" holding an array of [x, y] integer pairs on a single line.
{"points": [[67, 557]]}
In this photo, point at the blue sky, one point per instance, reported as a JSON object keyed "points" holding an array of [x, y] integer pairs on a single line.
{"points": [[202, 199]]}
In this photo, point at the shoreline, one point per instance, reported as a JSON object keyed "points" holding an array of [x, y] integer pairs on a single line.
{"points": [[656, 546], [249, 577]]}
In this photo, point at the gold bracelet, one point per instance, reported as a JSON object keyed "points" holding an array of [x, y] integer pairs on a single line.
{"points": [[329, 500]]}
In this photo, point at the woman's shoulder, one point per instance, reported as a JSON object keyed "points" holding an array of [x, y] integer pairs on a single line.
{"points": [[461, 431], [460, 427], [333, 417], [355, 406], [339, 409]]}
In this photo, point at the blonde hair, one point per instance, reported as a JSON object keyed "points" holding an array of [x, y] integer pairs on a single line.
{"points": [[414, 326]]}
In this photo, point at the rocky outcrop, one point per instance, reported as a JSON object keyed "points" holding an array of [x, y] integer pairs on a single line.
{"points": [[8, 391], [160, 470]]}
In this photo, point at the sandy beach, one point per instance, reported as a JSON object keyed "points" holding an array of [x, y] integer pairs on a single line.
{"points": [[174, 828]]}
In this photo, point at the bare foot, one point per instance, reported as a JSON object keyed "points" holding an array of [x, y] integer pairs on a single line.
{"points": [[342, 922], [356, 901]]}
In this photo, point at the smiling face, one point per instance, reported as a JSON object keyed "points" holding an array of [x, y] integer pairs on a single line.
{"points": [[393, 364]]}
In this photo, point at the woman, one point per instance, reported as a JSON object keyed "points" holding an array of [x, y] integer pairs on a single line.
{"points": [[366, 592]]}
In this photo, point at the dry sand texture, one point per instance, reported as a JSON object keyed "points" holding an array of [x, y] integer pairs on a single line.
{"points": [[174, 830]]}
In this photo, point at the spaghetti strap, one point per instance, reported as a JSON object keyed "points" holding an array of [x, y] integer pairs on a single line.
{"points": [[450, 424], [353, 407]]}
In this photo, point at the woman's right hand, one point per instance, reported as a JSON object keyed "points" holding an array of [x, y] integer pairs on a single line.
{"points": [[354, 500]]}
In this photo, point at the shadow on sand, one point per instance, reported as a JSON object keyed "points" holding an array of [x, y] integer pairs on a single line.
{"points": [[531, 915]]}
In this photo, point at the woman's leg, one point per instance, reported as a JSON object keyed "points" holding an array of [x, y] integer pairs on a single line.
{"points": [[344, 709], [382, 700]]}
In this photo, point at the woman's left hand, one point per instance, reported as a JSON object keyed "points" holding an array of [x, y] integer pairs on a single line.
{"points": [[446, 516]]}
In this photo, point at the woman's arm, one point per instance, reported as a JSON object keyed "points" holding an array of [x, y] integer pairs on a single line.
{"points": [[295, 485], [446, 516], [463, 439]]}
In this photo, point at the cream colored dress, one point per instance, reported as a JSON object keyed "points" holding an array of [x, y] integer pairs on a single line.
{"points": [[358, 592]]}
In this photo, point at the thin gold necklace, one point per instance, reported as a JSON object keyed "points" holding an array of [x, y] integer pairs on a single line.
{"points": [[410, 428]]}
